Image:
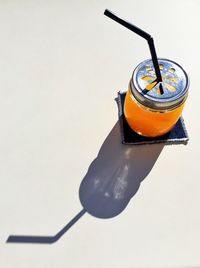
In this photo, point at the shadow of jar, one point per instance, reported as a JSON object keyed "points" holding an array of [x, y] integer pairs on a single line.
{"points": [[114, 177]]}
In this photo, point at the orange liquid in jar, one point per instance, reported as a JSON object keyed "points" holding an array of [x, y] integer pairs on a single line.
{"points": [[149, 122]]}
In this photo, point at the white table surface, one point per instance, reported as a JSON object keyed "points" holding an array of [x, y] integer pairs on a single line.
{"points": [[61, 66]]}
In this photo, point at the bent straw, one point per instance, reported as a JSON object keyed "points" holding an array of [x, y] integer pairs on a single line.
{"points": [[146, 36]]}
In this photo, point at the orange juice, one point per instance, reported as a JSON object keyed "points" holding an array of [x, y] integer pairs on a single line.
{"points": [[147, 111]]}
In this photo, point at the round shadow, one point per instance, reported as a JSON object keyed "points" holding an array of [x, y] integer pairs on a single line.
{"points": [[114, 177]]}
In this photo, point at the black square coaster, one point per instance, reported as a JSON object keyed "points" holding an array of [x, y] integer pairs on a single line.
{"points": [[178, 135]]}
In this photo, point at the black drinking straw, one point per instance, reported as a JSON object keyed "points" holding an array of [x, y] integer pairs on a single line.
{"points": [[146, 36]]}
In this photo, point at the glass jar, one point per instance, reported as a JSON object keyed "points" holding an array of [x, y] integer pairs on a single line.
{"points": [[147, 111]]}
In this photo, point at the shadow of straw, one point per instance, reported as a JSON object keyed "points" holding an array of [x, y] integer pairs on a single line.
{"points": [[45, 239]]}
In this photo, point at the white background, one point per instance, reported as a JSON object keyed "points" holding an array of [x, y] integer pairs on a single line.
{"points": [[61, 66]]}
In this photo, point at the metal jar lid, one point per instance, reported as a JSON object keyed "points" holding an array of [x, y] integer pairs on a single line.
{"points": [[145, 89]]}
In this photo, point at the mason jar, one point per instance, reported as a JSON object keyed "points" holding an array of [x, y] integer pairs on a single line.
{"points": [[148, 110]]}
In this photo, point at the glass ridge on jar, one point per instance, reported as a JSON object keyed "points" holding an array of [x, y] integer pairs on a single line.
{"points": [[147, 111]]}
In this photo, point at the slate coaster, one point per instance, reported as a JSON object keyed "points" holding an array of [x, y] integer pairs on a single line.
{"points": [[178, 135]]}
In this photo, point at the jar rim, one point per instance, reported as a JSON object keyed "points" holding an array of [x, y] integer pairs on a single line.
{"points": [[151, 98]]}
